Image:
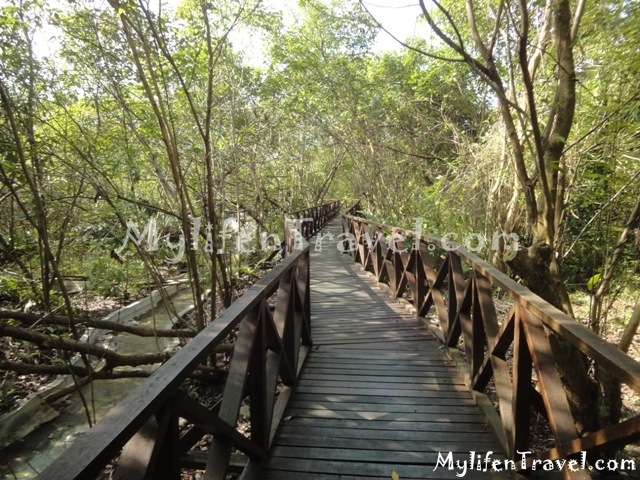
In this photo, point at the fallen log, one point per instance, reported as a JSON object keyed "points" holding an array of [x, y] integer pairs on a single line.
{"points": [[112, 359], [203, 371], [32, 320]]}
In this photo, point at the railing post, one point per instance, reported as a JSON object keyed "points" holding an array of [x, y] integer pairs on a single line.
{"points": [[304, 288], [152, 453], [521, 400]]}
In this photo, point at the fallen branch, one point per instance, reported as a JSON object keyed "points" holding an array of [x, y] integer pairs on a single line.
{"points": [[112, 359], [31, 320], [202, 371]]}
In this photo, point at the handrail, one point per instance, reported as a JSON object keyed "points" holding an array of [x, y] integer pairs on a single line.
{"points": [[266, 342], [353, 209], [270, 348], [306, 222], [466, 311]]}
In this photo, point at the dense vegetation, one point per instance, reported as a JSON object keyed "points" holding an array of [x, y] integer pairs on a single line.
{"points": [[511, 117]]}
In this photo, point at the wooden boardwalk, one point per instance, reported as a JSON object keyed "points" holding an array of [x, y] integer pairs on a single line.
{"points": [[377, 395]]}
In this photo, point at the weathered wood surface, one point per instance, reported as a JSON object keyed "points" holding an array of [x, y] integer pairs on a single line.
{"points": [[377, 394], [460, 286]]}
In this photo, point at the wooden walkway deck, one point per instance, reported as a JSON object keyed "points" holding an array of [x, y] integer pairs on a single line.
{"points": [[377, 395]]}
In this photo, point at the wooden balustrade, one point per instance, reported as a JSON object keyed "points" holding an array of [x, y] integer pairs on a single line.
{"points": [[508, 350], [305, 223], [269, 350], [143, 432]]}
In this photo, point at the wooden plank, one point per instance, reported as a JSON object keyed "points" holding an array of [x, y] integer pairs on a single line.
{"points": [[415, 367], [437, 432], [400, 425], [356, 328], [209, 422], [377, 470], [197, 459], [398, 345], [237, 376], [304, 292], [434, 296], [376, 387], [382, 407], [402, 344], [283, 319], [350, 453], [366, 337], [423, 352], [456, 297], [385, 444], [375, 308], [262, 383], [377, 416], [481, 305], [279, 410], [381, 370], [388, 392], [435, 383], [606, 439], [377, 376], [423, 363], [521, 401], [284, 475], [416, 401]]}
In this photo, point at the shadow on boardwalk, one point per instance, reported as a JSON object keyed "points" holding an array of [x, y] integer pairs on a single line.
{"points": [[376, 395]]}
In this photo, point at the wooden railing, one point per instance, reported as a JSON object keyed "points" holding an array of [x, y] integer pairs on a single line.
{"points": [[460, 286], [272, 324], [305, 223]]}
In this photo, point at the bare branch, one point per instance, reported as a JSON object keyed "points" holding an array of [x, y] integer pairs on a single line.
{"points": [[451, 22], [471, 18], [31, 320], [577, 17], [543, 40], [600, 211], [496, 27], [406, 45], [531, 103]]}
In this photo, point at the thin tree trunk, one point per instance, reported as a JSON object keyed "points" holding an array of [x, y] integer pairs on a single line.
{"points": [[631, 329]]}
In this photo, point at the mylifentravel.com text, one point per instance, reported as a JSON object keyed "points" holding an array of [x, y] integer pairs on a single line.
{"points": [[233, 237], [492, 462]]}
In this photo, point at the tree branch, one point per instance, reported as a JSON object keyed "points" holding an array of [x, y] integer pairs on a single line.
{"points": [[471, 18], [32, 320], [406, 45], [112, 358], [577, 17]]}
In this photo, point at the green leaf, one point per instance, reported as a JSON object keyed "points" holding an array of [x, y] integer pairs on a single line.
{"points": [[592, 283]]}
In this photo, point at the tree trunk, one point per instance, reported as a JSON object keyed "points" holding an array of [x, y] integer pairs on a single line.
{"points": [[631, 329]]}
